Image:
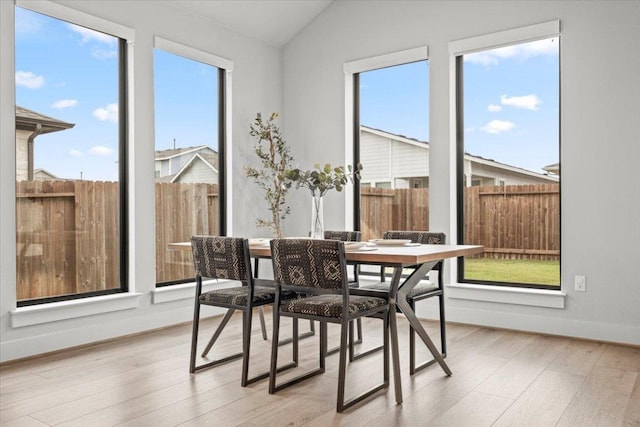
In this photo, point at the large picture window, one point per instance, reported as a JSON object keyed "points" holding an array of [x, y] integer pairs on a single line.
{"points": [[189, 161], [70, 160], [392, 145], [508, 164]]}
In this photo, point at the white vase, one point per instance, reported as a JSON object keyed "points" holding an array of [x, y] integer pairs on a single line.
{"points": [[317, 218]]}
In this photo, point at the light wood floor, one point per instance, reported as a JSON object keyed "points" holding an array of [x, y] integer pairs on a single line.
{"points": [[500, 378]]}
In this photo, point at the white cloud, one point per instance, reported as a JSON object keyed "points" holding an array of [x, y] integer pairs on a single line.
{"points": [[64, 103], [91, 35], [29, 80], [498, 126], [109, 113], [494, 108], [103, 53], [519, 51], [100, 150], [528, 102], [75, 153]]}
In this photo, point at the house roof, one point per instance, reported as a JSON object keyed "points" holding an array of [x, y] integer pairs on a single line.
{"points": [[553, 168], [207, 158], [28, 120], [168, 154], [471, 157]]}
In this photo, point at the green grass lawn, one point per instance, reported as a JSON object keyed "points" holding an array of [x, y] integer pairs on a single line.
{"points": [[513, 270]]}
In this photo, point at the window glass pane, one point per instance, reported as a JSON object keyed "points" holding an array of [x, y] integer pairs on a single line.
{"points": [[186, 159], [511, 163], [394, 149], [67, 147]]}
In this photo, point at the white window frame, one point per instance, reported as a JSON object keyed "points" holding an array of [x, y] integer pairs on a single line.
{"points": [[55, 311], [177, 292], [468, 291], [393, 59]]}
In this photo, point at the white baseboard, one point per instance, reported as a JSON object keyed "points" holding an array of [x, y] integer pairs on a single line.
{"points": [[607, 332]]}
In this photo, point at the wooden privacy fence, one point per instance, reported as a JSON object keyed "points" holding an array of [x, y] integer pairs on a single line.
{"points": [[68, 234], [67, 237], [68, 231], [182, 210], [513, 221], [383, 209]]}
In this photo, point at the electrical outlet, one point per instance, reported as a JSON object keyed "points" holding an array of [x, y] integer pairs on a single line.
{"points": [[581, 283]]}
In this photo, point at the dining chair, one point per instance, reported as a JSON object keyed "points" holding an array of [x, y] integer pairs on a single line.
{"points": [[317, 269], [348, 236], [422, 291], [228, 258]]}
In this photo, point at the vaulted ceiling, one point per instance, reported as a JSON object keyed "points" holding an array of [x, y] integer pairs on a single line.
{"points": [[275, 22]]}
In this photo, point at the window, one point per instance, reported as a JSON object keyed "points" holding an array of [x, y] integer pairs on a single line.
{"points": [[189, 115], [508, 134], [71, 160], [392, 146]]}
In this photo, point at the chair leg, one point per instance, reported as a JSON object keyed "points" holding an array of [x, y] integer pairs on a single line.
{"points": [[194, 342], [194, 337], [274, 348], [342, 367], [311, 332], [341, 404], [246, 345], [263, 325], [218, 331], [323, 345], [443, 327]]}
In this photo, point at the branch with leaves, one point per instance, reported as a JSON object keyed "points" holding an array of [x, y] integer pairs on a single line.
{"points": [[276, 160], [322, 179]]}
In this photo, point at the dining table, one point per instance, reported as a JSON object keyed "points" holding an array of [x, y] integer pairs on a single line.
{"points": [[420, 257]]}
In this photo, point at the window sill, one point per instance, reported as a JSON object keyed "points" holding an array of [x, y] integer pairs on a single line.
{"points": [[186, 290], [56, 311], [506, 295]]}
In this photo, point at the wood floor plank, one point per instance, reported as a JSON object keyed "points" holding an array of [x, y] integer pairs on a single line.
{"points": [[544, 402], [516, 375], [421, 407], [620, 357], [632, 414], [143, 380], [579, 357], [482, 408], [602, 398], [509, 344]]}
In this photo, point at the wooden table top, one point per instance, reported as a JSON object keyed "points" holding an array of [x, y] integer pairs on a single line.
{"points": [[406, 255]]}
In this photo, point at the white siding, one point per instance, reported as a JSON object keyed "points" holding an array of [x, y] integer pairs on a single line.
{"points": [[22, 154], [199, 172], [409, 160], [375, 157], [510, 177]]}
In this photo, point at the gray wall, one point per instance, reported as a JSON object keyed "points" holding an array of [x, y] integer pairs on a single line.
{"points": [[600, 140], [305, 81], [256, 87]]}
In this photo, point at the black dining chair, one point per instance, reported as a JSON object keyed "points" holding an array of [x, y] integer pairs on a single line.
{"points": [[422, 291], [317, 269], [228, 258], [354, 282]]}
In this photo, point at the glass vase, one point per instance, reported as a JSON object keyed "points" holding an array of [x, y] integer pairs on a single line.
{"points": [[317, 218]]}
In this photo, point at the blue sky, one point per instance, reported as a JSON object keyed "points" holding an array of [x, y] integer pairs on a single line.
{"points": [[511, 103], [70, 73]]}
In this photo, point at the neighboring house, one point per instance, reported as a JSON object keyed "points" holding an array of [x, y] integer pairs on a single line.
{"points": [[43, 175], [29, 125], [553, 169], [189, 164], [395, 161]]}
